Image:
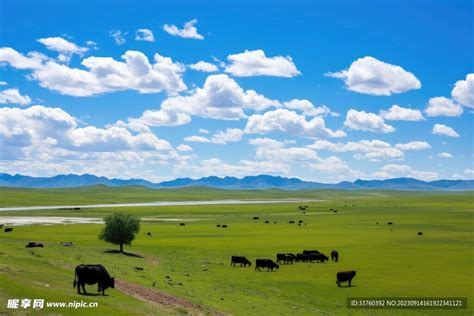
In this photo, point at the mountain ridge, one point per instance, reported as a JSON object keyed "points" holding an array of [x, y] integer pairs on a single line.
{"points": [[248, 182]]}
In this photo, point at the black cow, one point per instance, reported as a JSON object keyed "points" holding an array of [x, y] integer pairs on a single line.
{"points": [[301, 257], [334, 255], [318, 257], [92, 274], [265, 263], [33, 244], [344, 277], [256, 217], [308, 252], [182, 224], [8, 230], [242, 260], [224, 226], [420, 233], [285, 258]]}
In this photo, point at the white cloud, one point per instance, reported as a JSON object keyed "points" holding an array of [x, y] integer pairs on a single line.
{"points": [[189, 30], [144, 35], [204, 66], [372, 150], [216, 167], [445, 155], [366, 121], [371, 76], [103, 74], [398, 113], [64, 47], [397, 171], [469, 171], [284, 121], [220, 98], [440, 129], [3, 83], [220, 138], [255, 63], [184, 148], [307, 108], [203, 131], [118, 36], [414, 145], [463, 91], [441, 106], [336, 166], [13, 96]]}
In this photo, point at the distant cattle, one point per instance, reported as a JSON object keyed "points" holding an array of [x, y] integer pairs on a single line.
{"points": [[335, 211], [302, 208], [344, 277], [182, 224], [334, 255], [242, 260], [285, 258], [300, 221], [67, 243], [291, 222], [265, 263], [33, 244], [301, 257], [420, 233], [92, 274], [318, 257], [390, 223], [274, 222], [308, 252], [256, 217], [224, 226], [8, 230], [218, 225], [148, 234], [266, 222]]}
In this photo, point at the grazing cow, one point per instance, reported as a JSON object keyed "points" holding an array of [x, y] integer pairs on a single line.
{"points": [[182, 224], [344, 277], [92, 274], [224, 226], [265, 263], [390, 223], [242, 260], [334, 255], [291, 222], [33, 244], [256, 217], [148, 234], [8, 230], [301, 257], [308, 252], [300, 221], [420, 233], [218, 225], [318, 257], [266, 222]]}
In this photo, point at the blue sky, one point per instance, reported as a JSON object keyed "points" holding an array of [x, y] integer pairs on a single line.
{"points": [[320, 91]]}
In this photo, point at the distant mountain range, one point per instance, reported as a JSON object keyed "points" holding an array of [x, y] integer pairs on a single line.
{"points": [[250, 182]]}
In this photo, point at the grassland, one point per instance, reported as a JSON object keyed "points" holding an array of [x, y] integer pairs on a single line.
{"points": [[391, 260]]}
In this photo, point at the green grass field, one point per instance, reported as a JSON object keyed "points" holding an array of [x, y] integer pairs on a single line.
{"points": [[391, 260]]}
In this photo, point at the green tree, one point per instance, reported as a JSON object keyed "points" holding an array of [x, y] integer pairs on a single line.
{"points": [[120, 229]]}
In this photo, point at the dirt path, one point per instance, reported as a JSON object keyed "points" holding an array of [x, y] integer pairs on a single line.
{"points": [[154, 296]]}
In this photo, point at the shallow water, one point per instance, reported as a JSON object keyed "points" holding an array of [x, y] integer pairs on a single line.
{"points": [[160, 203]]}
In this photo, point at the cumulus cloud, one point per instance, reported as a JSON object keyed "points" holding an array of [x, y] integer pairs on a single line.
{"points": [[445, 155], [371, 76], [255, 63], [221, 138], [413, 145], [184, 148], [13, 96], [463, 91], [118, 36], [440, 129], [204, 67], [398, 113], [307, 108], [144, 35], [366, 121], [216, 167], [102, 74], [372, 150], [397, 171], [189, 30], [441, 106], [64, 47], [285, 121]]}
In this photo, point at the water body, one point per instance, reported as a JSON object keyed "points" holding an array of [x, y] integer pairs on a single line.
{"points": [[160, 203], [54, 220]]}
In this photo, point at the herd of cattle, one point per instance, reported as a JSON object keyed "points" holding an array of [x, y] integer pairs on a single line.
{"points": [[289, 258]]}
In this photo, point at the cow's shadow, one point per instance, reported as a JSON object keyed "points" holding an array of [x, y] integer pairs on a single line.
{"points": [[129, 254], [346, 286], [92, 294]]}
